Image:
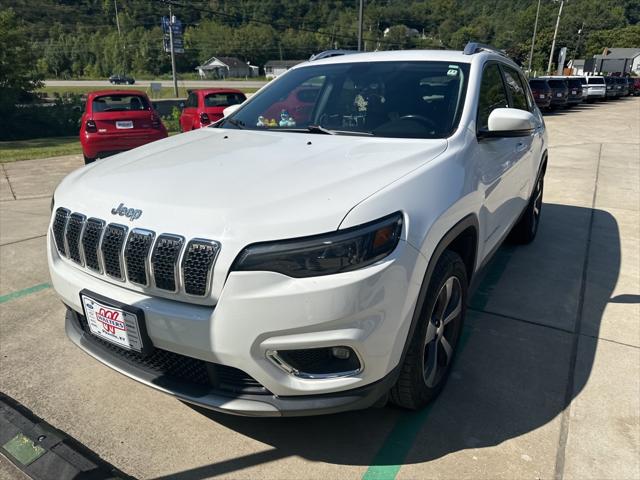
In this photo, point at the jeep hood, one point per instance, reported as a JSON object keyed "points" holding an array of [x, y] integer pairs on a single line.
{"points": [[243, 185]]}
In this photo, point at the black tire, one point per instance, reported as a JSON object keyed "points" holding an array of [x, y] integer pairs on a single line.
{"points": [[419, 382], [526, 229], [88, 160]]}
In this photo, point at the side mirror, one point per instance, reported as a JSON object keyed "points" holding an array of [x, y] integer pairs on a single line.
{"points": [[230, 109], [509, 122]]}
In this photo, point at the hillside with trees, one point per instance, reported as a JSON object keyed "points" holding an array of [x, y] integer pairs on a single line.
{"points": [[75, 39]]}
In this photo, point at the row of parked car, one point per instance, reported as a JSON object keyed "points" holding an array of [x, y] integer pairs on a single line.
{"points": [[555, 92]]}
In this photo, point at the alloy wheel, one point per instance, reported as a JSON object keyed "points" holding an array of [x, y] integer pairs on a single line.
{"points": [[442, 332]]}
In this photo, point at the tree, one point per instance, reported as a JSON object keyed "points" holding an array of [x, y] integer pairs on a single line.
{"points": [[18, 60]]}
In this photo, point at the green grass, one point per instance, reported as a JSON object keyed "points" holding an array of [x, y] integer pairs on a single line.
{"points": [[39, 148], [165, 92]]}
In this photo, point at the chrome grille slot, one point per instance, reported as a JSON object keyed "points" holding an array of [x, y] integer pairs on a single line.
{"points": [[72, 236], [112, 243], [198, 259], [164, 261], [136, 254], [91, 242], [59, 227]]}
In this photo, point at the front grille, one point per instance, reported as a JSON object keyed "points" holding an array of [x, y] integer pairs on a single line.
{"points": [[164, 260], [199, 257], [59, 227], [72, 236], [170, 365], [112, 242], [137, 256], [91, 241]]}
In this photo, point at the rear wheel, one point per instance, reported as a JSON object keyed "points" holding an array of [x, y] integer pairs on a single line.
{"points": [[88, 160], [527, 227], [432, 347]]}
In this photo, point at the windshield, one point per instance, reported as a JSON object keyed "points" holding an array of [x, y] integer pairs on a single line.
{"points": [[385, 99], [119, 103]]}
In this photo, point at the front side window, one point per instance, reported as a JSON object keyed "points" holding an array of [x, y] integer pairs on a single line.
{"points": [[515, 88], [492, 95], [119, 103], [385, 99]]}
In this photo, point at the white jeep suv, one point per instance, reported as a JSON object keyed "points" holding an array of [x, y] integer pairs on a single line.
{"points": [[311, 252]]}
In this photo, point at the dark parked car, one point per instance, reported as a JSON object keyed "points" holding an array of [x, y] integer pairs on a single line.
{"points": [[541, 92], [612, 88], [121, 79], [624, 86], [575, 91], [559, 92]]}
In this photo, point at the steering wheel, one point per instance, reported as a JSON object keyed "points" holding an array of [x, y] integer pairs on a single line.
{"points": [[420, 119]]}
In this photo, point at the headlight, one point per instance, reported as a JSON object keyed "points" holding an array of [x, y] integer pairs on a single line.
{"points": [[326, 254]]}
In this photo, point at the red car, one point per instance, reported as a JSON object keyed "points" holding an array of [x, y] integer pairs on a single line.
{"points": [[118, 120], [205, 106]]}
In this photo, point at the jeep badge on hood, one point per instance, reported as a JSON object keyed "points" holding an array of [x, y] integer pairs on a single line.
{"points": [[131, 213]]}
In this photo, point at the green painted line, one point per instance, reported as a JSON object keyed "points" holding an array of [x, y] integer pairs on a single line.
{"points": [[393, 453], [21, 293]]}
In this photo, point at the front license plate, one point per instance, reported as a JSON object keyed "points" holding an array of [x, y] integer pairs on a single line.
{"points": [[558, 94], [542, 96], [113, 324], [124, 124]]}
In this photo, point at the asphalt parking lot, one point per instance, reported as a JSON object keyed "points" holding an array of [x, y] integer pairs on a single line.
{"points": [[546, 383]]}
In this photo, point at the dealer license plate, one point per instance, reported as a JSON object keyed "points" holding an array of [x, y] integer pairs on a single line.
{"points": [[124, 124], [558, 94], [573, 92], [542, 95], [112, 324]]}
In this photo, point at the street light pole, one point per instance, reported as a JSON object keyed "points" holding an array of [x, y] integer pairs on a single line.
{"points": [[173, 57], [555, 34], [360, 20], [533, 38]]}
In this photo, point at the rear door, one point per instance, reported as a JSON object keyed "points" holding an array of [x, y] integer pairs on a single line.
{"points": [[122, 114], [189, 113]]}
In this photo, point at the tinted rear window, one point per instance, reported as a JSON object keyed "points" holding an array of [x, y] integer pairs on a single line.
{"points": [[223, 99], [557, 83], [120, 103], [596, 81], [541, 84], [574, 82]]}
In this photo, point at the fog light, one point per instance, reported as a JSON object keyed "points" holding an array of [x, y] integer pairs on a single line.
{"points": [[322, 362], [341, 353]]}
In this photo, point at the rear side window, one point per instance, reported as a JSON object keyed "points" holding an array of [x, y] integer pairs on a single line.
{"points": [[119, 103], [515, 88], [595, 81], [223, 99], [492, 95]]}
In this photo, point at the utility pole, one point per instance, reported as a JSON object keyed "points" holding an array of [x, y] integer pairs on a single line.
{"points": [[533, 38], [122, 45], [360, 20], [555, 34], [173, 57]]}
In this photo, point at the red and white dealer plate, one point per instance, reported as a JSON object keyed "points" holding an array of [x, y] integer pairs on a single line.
{"points": [[112, 324]]}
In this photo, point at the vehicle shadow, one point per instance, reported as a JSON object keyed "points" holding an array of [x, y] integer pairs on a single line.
{"points": [[513, 374]]}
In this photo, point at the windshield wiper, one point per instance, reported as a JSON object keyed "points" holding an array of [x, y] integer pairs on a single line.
{"points": [[235, 123], [319, 129]]}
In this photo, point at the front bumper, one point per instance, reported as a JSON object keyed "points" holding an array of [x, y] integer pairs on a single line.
{"points": [[241, 404]]}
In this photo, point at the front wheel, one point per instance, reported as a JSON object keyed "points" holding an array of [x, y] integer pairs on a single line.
{"points": [[431, 350], [527, 227]]}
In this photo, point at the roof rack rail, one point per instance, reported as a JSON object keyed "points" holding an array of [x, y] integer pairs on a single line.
{"points": [[475, 47], [331, 53]]}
